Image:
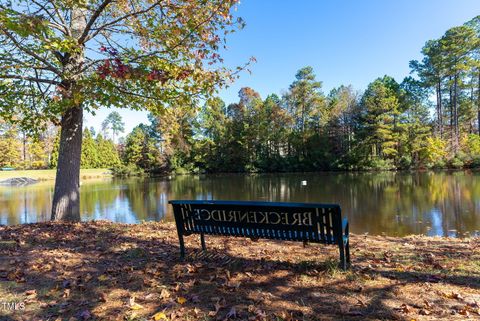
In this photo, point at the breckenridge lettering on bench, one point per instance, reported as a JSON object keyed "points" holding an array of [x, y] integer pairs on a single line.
{"points": [[303, 222], [259, 217]]}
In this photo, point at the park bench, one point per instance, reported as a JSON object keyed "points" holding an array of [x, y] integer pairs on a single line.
{"points": [[303, 222]]}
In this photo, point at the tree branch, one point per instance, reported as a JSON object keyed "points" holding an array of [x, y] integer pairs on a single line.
{"points": [[21, 64], [113, 22], [29, 52], [91, 21], [195, 28], [42, 92], [62, 19], [60, 26], [28, 78]]}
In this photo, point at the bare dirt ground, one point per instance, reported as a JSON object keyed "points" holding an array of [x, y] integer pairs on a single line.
{"points": [[109, 271]]}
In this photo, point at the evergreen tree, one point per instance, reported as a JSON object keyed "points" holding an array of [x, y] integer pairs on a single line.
{"points": [[213, 127], [140, 149], [55, 148], [90, 157], [414, 128], [380, 104], [305, 102], [274, 127], [107, 153], [457, 44], [10, 146], [432, 74], [341, 108], [114, 123]]}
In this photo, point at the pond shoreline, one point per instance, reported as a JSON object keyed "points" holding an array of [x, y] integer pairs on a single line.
{"points": [[49, 174], [107, 271]]}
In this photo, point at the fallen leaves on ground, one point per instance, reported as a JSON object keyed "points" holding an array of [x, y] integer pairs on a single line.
{"points": [[108, 271]]}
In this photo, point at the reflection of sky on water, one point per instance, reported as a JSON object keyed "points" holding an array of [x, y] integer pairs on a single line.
{"points": [[118, 211], [204, 197], [436, 223], [394, 204]]}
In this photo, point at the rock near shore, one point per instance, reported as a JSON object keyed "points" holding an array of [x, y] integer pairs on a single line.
{"points": [[18, 181]]}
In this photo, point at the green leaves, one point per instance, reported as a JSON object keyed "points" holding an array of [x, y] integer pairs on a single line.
{"points": [[65, 45], [130, 54], [457, 46], [24, 25]]}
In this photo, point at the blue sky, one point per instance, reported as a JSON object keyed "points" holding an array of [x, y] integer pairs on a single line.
{"points": [[345, 41]]}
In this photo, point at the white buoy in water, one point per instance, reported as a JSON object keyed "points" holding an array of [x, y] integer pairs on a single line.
{"points": [[304, 183]]}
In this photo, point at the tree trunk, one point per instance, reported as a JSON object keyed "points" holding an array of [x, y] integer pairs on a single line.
{"points": [[451, 115], [455, 113], [478, 103], [66, 197], [24, 141], [439, 108]]}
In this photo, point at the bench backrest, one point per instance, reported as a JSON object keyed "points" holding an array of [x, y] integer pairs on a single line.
{"points": [[318, 223]]}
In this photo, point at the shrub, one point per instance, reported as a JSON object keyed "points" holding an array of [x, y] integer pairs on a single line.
{"points": [[405, 162], [440, 164], [127, 170], [472, 145], [435, 152], [475, 162], [38, 165], [456, 163], [381, 164]]}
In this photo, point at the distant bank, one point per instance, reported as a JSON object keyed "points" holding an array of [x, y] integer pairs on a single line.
{"points": [[49, 174]]}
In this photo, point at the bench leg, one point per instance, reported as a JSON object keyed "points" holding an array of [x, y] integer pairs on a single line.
{"points": [[343, 263], [202, 240], [347, 253], [182, 246]]}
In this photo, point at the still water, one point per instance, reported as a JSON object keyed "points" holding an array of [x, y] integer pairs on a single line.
{"points": [[396, 204]]}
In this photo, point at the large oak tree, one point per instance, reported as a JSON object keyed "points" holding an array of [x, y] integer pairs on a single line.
{"points": [[61, 58]]}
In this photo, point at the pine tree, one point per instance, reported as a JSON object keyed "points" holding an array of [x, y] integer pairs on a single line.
{"points": [[107, 153], [305, 102], [458, 44], [414, 127], [140, 149], [90, 157], [380, 105]]}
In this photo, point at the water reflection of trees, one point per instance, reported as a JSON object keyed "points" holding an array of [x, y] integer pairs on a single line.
{"points": [[25, 204], [394, 203]]}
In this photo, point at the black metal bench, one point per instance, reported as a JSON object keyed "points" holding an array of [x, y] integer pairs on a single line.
{"points": [[305, 222]]}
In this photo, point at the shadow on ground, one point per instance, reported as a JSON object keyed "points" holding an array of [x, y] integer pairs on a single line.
{"points": [[106, 271]]}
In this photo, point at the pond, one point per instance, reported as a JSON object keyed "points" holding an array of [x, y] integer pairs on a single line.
{"points": [[396, 204]]}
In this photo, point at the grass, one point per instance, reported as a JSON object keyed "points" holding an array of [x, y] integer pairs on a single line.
{"points": [[110, 271], [49, 174]]}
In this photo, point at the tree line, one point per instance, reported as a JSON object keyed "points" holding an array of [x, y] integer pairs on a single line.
{"points": [[430, 119], [20, 151]]}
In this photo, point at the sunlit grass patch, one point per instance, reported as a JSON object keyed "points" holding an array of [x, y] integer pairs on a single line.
{"points": [[49, 174]]}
